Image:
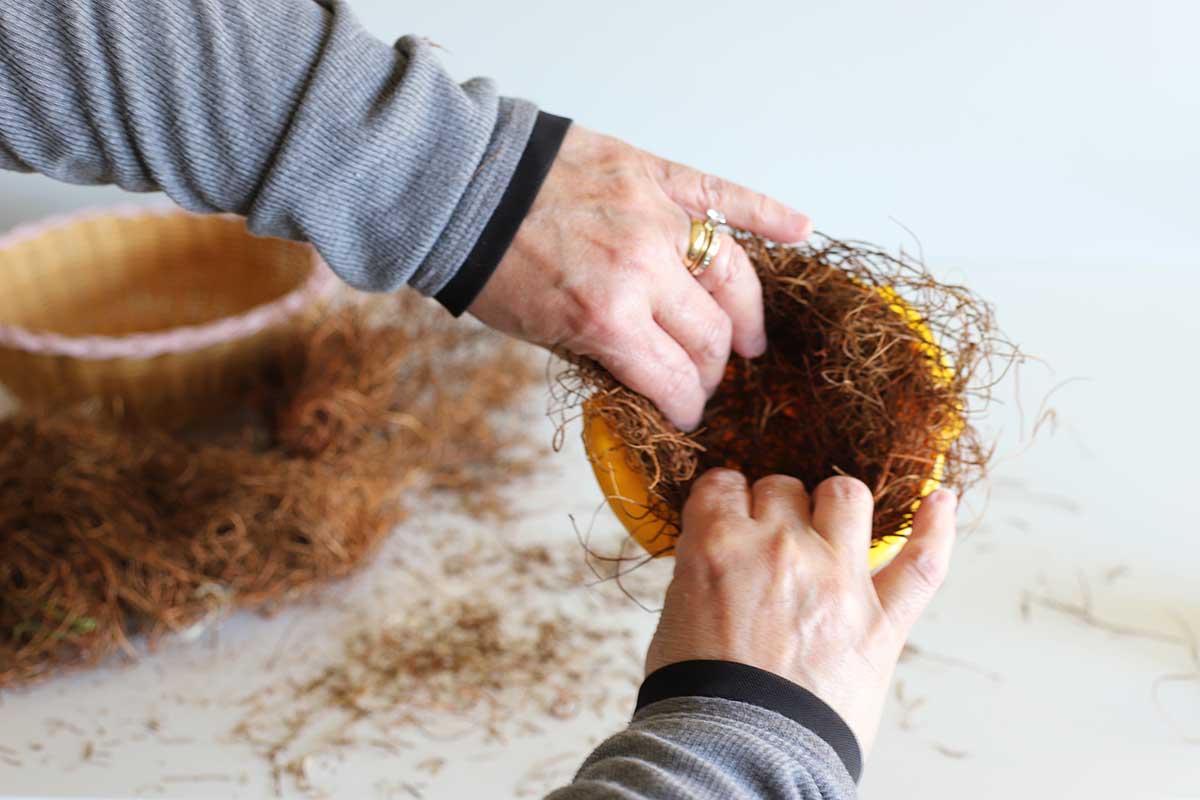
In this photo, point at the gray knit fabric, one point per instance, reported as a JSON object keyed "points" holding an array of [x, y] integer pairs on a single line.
{"points": [[284, 111], [287, 112], [697, 748]]}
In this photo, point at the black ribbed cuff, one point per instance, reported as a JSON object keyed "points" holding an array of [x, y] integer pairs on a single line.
{"points": [[544, 141], [728, 680]]}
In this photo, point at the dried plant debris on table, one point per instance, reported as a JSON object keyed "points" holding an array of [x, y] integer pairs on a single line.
{"points": [[850, 384], [512, 643], [110, 532]]}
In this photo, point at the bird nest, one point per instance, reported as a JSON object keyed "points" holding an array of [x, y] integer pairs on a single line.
{"points": [[874, 369]]}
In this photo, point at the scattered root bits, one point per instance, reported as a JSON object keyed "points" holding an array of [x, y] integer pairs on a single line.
{"points": [[518, 645]]}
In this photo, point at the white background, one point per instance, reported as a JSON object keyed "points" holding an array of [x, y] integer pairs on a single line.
{"points": [[1047, 154], [1016, 129]]}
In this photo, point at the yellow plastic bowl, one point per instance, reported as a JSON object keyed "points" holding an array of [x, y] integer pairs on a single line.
{"points": [[629, 498]]}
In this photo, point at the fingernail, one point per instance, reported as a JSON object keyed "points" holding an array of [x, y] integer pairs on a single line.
{"points": [[944, 496], [803, 227], [806, 226], [758, 347]]}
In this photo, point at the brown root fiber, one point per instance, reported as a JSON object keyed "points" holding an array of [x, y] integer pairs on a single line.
{"points": [[108, 532], [847, 386]]}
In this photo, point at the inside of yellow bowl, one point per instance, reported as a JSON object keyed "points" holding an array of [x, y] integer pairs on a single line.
{"points": [[628, 493]]}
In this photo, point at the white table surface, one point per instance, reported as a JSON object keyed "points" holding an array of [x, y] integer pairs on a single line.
{"points": [[998, 704]]}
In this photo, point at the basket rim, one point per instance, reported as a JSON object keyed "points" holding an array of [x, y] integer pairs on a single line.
{"points": [[182, 339]]}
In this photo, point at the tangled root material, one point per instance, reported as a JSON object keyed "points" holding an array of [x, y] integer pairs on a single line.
{"points": [[848, 385], [110, 532]]}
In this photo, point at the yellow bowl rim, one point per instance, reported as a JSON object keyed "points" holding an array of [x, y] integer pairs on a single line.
{"points": [[628, 496]]}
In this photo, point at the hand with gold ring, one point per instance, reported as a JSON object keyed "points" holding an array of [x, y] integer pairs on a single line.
{"points": [[607, 264]]}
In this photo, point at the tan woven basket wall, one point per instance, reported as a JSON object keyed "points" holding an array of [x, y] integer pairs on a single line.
{"points": [[160, 315]]}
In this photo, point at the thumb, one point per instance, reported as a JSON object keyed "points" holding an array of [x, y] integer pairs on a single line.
{"points": [[907, 585]]}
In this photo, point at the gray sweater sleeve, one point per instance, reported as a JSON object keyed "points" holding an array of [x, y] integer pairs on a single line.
{"points": [[288, 113], [284, 111], [699, 748]]}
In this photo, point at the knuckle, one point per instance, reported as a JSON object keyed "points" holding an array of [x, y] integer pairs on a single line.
{"points": [[928, 572], [783, 548], [678, 382], [671, 173], [595, 323], [716, 552], [608, 252], [733, 269], [592, 317], [712, 563], [677, 395], [645, 257], [845, 489], [713, 548], [712, 190], [830, 587], [719, 477], [764, 207], [717, 336], [713, 486], [609, 153], [778, 484], [625, 188]]}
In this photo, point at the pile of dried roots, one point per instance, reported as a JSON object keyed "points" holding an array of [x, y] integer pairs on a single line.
{"points": [[847, 386], [110, 532]]}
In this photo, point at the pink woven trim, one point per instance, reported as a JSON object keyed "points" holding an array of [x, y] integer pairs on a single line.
{"points": [[183, 339]]}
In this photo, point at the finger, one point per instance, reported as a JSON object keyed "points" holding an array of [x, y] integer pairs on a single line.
{"points": [[906, 586], [735, 286], [653, 364], [780, 501], [719, 495], [697, 323], [843, 511], [743, 208]]}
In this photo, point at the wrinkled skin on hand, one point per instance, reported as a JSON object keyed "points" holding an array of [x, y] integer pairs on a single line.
{"points": [[597, 267], [771, 577]]}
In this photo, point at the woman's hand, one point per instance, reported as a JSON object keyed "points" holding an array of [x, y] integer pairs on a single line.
{"points": [[597, 267], [767, 577]]}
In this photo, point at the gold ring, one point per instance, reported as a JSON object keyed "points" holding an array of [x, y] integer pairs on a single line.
{"points": [[704, 242], [697, 243]]}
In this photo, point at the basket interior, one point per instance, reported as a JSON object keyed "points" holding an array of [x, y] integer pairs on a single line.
{"points": [[114, 275]]}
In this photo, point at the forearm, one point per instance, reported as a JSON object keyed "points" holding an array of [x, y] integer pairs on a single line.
{"points": [[284, 111], [706, 749], [722, 730]]}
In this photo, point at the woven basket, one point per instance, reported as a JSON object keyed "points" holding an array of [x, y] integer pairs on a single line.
{"points": [[161, 315]]}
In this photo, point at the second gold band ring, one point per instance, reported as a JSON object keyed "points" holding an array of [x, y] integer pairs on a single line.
{"points": [[704, 242]]}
